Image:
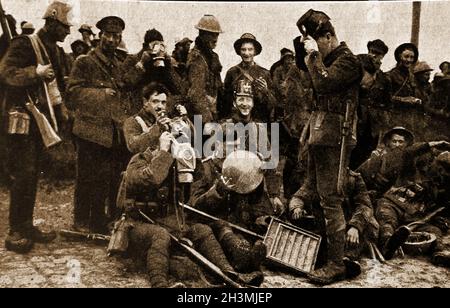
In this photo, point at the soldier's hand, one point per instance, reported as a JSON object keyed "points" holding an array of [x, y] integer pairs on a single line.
{"points": [[110, 92], [223, 184], [164, 121], [353, 236], [146, 57], [278, 206], [261, 85], [165, 141], [263, 221], [45, 72], [298, 214], [181, 110], [310, 44], [439, 145]]}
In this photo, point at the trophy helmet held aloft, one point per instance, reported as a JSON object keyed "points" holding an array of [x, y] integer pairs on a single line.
{"points": [[311, 22], [209, 23], [244, 88], [243, 169], [59, 11]]}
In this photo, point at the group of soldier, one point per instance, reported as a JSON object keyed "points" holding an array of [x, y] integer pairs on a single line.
{"points": [[131, 116]]}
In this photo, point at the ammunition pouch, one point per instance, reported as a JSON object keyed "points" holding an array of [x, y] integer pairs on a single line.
{"points": [[157, 209]]}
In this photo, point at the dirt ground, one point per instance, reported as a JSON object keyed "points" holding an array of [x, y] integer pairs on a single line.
{"points": [[80, 264]]}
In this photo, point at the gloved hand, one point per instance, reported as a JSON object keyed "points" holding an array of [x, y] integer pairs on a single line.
{"points": [[310, 44]]}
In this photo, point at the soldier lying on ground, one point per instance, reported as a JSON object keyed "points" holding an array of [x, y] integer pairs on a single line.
{"points": [[413, 201], [149, 184], [362, 227], [395, 162]]}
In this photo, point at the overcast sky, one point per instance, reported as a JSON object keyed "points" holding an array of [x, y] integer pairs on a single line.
{"points": [[273, 23]]}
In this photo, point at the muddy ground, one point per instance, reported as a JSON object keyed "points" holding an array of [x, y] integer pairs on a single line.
{"points": [[80, 264]]}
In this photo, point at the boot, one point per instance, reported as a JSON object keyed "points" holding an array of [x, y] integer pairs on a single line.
{"points": [[18, 243], [254, 279], [394, 242], [334, 270], [352, 268], [39, 236]]}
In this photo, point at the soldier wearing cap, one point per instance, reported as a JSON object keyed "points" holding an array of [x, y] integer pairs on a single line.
{"points": [[87, 34], [204, 68], [407, 107], [27, 28], [247, 47], [25, 75], [151, 64], [422, 72], [414, 200], [79, 48], [395, 162], [94, 90], [336, 74]]}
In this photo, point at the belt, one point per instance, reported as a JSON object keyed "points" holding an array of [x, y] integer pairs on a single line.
{"points": [[329, 104]]}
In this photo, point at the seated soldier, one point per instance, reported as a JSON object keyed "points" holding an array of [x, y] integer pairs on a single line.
{"points": [[142, 129], [414, 201], [395, 162], [148, 183], [362, 227]]}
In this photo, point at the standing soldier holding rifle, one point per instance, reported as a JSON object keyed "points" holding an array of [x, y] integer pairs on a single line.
{"points": [[34, 73], [335, 74]]}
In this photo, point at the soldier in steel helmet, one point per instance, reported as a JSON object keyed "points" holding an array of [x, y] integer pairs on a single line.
{"points": [[25, 74], [204, 68]]}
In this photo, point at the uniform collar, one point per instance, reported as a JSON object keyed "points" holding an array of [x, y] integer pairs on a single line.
{"points": [[336, 53]]}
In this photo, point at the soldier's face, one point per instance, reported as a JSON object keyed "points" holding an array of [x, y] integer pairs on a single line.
{"points": [[109, 41], [407, 58], [288, 61], [61, 31], [156, 104], [423, 76], [324, 44], [244, 104], [86, 35], [210, 39], [397, 141], [247, 52], [377, 57]]}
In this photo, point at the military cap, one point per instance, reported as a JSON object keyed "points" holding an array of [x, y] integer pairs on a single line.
{"points": [[59, 11], [443, 159], [28, 25], [243, 168], [398, 51], [311, 22], [112, 24], [441, 66], [421, 67], [399, 130], [153, 35], [247, 38], [183, 41], [244, 88], [86, 28], [285, 52], [378, 46]]}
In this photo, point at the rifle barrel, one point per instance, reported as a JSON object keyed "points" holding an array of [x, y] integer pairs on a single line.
{"points": [[239, 228]]}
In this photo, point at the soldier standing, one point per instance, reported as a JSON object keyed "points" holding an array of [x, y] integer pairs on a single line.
{"points": [[94, 90], [203, 66], [247, 47], [25, 75], [336, 75]]}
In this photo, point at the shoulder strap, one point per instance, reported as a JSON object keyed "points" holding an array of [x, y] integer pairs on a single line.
{"points": [[141, 122]]}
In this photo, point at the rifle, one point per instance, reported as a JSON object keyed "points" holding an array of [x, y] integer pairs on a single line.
{"points": [[350, 110], [74, 235], [198, 257], [4, 23], [236, 227]]}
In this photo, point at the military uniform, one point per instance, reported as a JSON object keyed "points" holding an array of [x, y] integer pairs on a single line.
{"points": [[141, 131], [358, 211], [264, 102], [98, 120], [149, 187], [18, 70], [205, 83]]}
